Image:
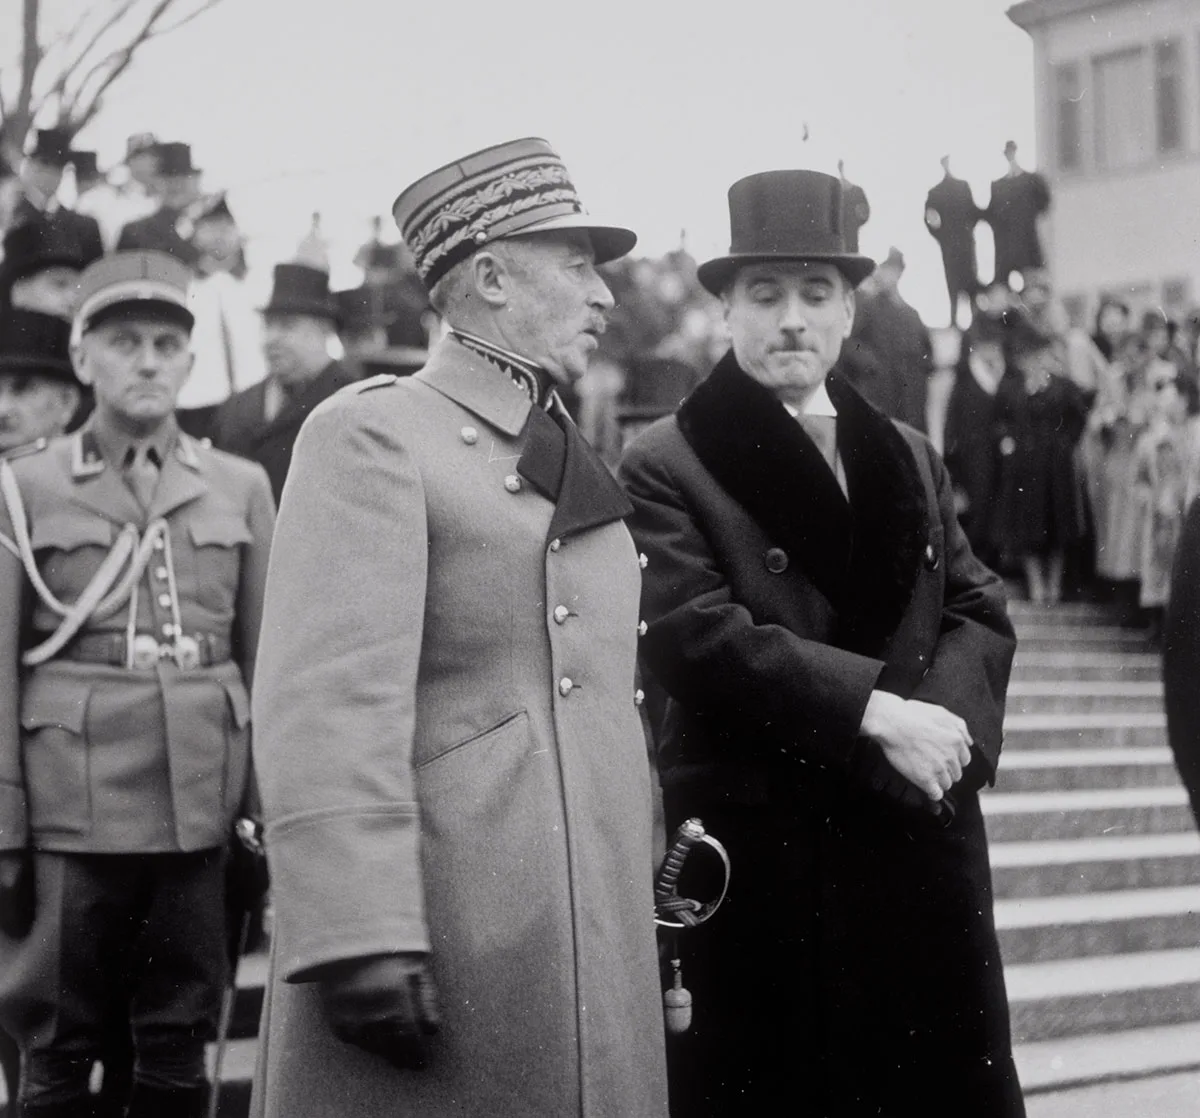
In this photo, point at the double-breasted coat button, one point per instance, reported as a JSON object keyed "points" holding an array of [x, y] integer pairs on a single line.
{"points": [[932, 559], [469, 435], [639, 697], [160, 572], [512, 483], [566, 685], [776, 560], [164, 600], [643, 562], [642, 627], [555, 544], [561, 613]]}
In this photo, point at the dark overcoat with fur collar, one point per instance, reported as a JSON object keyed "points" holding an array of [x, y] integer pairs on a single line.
{"points": [[857, 951]]}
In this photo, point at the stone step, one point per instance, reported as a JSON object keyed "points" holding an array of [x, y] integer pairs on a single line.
{"points": [[237, 1076], [1124, 666], [1035, 929], [1039, 816], [1083, 638], [1065, 613], [1070, 997], [1090, 731], [1083, 697], [1034, 770], [1072, 866], [1080, 1061]]}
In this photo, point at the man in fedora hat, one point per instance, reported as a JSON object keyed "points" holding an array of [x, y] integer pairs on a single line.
{"points": [[132, 566], [40, 175], [835, 660], [177, 185], [453, 771], [262, 421]]}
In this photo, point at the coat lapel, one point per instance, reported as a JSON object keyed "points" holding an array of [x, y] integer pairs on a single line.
{"points": [[862, 554], [98, 486], [477, 385], [180, 481], [589, 495]]}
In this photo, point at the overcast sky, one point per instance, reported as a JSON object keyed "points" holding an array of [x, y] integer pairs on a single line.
{"points": [[657, 106]]}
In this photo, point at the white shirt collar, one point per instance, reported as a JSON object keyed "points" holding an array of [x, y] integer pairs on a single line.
{"points": [[818, 403]]}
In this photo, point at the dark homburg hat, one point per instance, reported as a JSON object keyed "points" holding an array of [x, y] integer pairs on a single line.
{"points": [[299, 289], [785, 215], [125, 282], [33, 246], [508, 190], [85, 165], [35, 343], [51, 145], [175, 159]]}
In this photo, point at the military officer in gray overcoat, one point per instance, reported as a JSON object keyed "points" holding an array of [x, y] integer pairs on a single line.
{"points": [[131, 580], [454, 778]]}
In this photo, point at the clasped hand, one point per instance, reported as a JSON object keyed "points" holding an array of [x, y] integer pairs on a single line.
{"points": [[925, 743], [384, 1004]]}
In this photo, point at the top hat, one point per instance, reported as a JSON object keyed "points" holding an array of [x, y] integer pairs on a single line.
{"points": [[31, 342], [85, 165], [32, 246], [299, 289], [785, 215], [509, 190], [51, 145], [140, 143], [175, 159], [131, 282]]}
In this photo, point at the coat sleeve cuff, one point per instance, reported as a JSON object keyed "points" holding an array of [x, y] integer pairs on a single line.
{"points": [[346, 883], [14, 817]]}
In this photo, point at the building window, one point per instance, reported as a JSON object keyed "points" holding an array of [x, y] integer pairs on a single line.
{"points": [[1122, 109], [1068, 120], [1168, 95]]}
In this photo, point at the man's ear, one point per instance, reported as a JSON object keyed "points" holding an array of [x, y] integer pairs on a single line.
{"points": [[848, 295], [80, 362], [491, 278]]}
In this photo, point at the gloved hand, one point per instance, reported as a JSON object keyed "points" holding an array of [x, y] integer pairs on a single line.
{"points": [[16, 893], [384, 1004]]}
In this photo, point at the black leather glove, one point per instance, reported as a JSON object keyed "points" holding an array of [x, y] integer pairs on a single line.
{"points": [[384, 1004], [16, 893]]}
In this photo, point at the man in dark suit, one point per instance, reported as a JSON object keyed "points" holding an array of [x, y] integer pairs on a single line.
{"points": [[40, 176], [951, 216], [1018, 199], [178, 187], [261, 422], [856, 210], [835, 660]]}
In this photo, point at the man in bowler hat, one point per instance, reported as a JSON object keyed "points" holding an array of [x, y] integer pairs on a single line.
{"points": [[835, 661], [132, 566], [40, 269], [261, 422], [454, 777]]}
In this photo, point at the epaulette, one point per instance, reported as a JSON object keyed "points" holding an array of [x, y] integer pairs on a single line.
{"points": [[23, 451], [379, 380]]}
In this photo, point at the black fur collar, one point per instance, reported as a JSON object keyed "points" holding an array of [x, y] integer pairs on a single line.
{"points": [[864, 555]]}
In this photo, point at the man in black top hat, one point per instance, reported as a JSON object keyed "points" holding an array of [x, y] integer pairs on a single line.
{"points": [[951, 216], [40, 269], [835, 660], [1018, 200], [40, 176], [178, 186], [262, 421]]}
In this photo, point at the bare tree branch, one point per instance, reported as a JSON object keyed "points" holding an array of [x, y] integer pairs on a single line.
{"points": [[31, 56], [120, 10], [158, 32]]}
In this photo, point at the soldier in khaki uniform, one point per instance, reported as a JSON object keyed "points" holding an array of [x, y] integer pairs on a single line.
{"points": [[131, 577]]}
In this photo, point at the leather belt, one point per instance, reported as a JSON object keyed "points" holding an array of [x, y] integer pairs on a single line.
{"points": [[192, 650]]}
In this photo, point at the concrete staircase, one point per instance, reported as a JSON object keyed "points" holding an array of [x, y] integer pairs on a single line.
{"points": [[1095, 859]]}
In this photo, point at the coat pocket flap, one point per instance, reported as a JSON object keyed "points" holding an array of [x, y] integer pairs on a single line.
{"points": [[55, 702], [66, 533], [219, 531], [239, 703]]}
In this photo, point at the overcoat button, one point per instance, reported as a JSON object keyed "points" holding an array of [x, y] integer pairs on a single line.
{"points": [[158, 543], [642, 627], [469, 435], [168, 630], [512, 483], [643, 562], [561, 613], [639, 697], [164, 600], [776, 560], [932, 561], [565, 685], [555, 544], [160, 572]]}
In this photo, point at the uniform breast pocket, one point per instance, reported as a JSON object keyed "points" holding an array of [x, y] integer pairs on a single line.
{"points": [[217, 542], [69, 548], [54, 743]]}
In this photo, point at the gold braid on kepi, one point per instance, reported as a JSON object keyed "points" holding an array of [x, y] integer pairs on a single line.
{"points": [[508, 190]]}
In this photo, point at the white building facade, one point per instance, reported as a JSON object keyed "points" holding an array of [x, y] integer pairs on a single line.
{"points": [[1118, 133]]}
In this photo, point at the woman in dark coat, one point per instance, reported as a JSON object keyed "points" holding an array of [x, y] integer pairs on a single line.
{"points": [[1040, 417]]}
